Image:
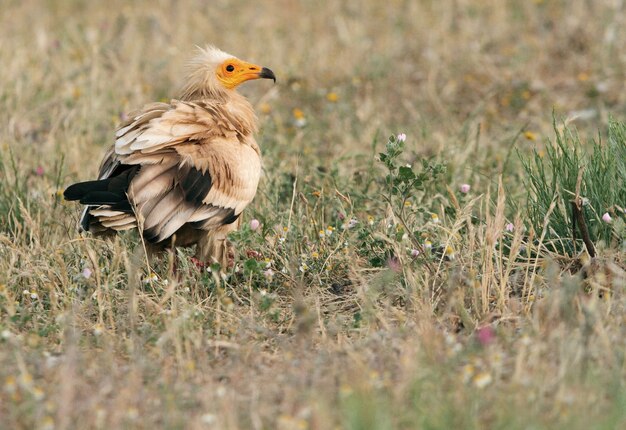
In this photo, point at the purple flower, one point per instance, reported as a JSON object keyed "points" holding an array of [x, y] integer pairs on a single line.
{"points": [[401, 137], [465, 188], [254, 224], [86, 273], [606, 217], [415, 253], [394, 264], [485, 335], [509, 227]]}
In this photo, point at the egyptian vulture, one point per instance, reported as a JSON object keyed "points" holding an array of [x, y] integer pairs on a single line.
{"points": [[182, 172]]}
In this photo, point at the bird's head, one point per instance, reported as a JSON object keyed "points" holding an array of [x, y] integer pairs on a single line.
{"points": [[213, 73]]}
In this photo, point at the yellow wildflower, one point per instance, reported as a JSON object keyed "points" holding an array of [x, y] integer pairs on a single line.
{"points": [[265, 108], [530, 135], [298, 114]]}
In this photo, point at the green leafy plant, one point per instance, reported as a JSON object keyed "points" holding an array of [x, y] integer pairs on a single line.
{"points": [[404, 181], [407, 188], [577, 190]]}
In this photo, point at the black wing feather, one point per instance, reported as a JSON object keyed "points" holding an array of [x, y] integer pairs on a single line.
{"points": [[195, 184], [109, 191]]}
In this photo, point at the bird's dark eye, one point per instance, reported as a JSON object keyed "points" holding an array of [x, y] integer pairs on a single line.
{"points": [[230, 68]]}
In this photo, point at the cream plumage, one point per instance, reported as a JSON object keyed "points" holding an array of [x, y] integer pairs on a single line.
{"points": [[182, 171]]}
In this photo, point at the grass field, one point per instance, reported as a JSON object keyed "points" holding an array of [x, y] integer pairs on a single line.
{"points": [[413, 286]]}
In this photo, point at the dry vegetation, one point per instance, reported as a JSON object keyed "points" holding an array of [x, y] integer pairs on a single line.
{"points": [[322, 327]]}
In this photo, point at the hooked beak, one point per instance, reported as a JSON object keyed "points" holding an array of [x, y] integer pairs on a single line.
{"points": [[267, 74]]}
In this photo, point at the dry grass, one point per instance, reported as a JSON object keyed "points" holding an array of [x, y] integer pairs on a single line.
{"points": [[500, 336]]}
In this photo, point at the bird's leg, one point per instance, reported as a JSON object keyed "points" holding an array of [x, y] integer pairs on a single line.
{"points": [[229, 251], [215, 247]]}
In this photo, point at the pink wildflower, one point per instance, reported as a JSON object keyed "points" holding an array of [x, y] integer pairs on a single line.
{"points": [[401, 137], [485, 335], [254, 224], [465, 188], [394, 264], [606, 217]]}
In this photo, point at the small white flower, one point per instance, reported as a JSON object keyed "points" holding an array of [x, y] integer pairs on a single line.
{"points": [[152, 277], [47, 424], [509, 227], [34, 296], [401, 137], [208, 419], [415, 253], [38, 393], [98, 330], [482, 379], [132, 413], [467, 372], [86, 273]]}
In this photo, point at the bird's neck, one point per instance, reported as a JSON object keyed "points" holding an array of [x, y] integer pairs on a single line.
{"points": [[232, 106], [241, 113]]}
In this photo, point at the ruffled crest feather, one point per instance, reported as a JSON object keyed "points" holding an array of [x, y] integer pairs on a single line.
{"points": [[201, 82]]}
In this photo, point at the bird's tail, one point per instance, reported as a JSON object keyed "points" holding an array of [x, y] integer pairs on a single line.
{"points": [[109, 193]]}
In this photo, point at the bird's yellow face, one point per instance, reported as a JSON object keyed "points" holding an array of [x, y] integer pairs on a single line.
{"points": [[233, 72]]}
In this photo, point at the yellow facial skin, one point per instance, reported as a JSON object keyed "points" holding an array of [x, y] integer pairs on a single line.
{"points": [[233, 72]]}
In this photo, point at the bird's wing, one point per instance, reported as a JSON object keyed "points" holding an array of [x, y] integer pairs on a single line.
{"points": [[196, 167], [160, 125], [173, 165]]}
